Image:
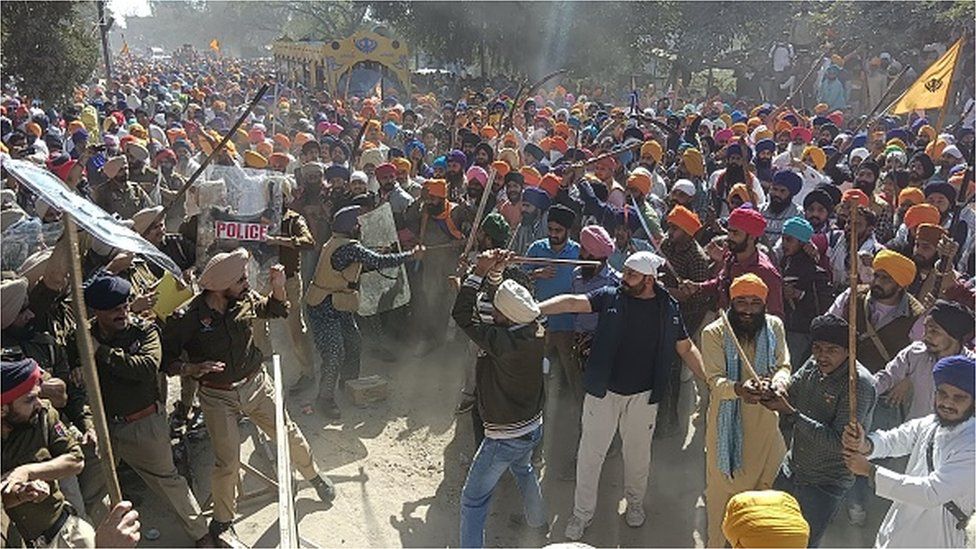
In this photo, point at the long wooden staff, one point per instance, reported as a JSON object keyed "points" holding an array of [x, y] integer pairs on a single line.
{"points": [[86, 353], [480, 213], [193, 178], [852, 317]]}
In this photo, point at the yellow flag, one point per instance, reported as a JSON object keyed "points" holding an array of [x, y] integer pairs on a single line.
{"points": [[215, 45], [125, 49], [932, 87]]}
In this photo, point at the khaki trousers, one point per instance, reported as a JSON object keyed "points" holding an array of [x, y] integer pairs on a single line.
{"points": [[601, 418], [75, 533], [301, 347], [254, 399], [144, 446]]}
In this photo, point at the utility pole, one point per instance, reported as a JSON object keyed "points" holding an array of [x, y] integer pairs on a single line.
{"points": [[103, 26]]}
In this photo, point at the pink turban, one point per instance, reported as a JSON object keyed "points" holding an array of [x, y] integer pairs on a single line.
{"points": [[596, 241]]}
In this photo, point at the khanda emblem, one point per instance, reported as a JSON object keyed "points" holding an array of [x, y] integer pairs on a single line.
{"points": [[366, 45], [933, 85]]}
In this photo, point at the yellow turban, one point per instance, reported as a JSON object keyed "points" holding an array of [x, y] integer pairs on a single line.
{"points": [[929, 131], [765, 518], [694, 162], [253, 159], [402, 164], [748, 285], [652, 149], [816, 154], [223, 270], [898, 267]]}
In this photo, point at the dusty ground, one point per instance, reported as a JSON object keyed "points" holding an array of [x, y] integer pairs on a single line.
{"points": [[399, 467]]}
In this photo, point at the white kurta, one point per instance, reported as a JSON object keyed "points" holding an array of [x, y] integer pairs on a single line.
{"points": [[916, 517]]}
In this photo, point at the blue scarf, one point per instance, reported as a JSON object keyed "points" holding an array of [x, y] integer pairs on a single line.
{"points": [[729, 439]]}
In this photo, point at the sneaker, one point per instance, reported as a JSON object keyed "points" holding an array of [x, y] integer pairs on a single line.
{"points": [[217, 527], [324, 488], [635, 515], [575, 528], [856, 514]]}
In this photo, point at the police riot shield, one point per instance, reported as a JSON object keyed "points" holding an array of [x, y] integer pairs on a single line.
{"points": [[385, 289]]}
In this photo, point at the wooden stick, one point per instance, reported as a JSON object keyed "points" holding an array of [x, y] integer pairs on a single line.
{"points": [[423, 226], [852, 317], [87, 355], [608, 154], [548, 261], [481, 211], [444, 246], [747, 366]]}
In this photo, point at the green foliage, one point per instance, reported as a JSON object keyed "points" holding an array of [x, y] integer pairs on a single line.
{"points": [[48, 47]]}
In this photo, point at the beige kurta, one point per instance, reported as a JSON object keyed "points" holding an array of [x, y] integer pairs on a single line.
{"points": [[762, 444]]}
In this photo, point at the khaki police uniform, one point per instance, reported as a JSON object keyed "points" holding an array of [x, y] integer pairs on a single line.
{"points": [[125, 201], [51, 522], [128, 364], [242, 387]]}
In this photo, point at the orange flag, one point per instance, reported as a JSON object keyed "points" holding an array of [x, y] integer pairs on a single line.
{"points": [[215, 45]]}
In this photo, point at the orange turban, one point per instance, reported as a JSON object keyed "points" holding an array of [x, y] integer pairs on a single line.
{"points": [[653, 150], [640, 179], [282, 141], [913, 195], [264, 149], [929, 232], [501, 167], [436, 187], [748, 285], [531, 176], [550, 183], [402, 164], [898, 267], [740, 190], [921, 213], [685, 219]]}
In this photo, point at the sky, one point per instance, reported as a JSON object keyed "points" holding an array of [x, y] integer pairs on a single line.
{"points": [[129, 8]]}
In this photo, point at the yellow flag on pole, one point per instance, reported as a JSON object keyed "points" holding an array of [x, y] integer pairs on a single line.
{"points": [[931, 90], [215, 45]]}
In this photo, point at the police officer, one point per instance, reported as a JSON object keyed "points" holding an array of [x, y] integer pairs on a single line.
{"points": [[37, 452], [128, 354], [214, 330]]}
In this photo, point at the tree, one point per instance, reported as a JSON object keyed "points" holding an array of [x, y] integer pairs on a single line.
{"points": [[48, 47]]}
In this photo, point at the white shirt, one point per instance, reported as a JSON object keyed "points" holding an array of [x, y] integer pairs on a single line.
{"points": [[914, 363], [916, 517]]}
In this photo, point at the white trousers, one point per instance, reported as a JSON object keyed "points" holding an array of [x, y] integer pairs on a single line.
{"points": [[635, 418]]}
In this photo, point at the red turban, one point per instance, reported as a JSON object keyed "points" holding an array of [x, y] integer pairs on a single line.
{"points": [[748, 220]]}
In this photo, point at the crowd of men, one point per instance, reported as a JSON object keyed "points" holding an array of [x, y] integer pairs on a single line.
{"points": [[612, 248]]}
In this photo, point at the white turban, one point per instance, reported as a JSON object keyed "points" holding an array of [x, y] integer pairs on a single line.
{"points": [[515, 302]]}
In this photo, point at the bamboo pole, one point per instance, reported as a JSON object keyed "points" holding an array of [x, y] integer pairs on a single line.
{"points": [[86, 353], [852, 317], [549, 261]]}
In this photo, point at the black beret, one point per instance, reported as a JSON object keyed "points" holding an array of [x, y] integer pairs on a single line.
{"points": [[956, 320], [562, 215], [105, 293]]}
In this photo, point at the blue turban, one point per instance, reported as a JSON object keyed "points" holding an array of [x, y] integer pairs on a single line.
{"points": [[898, 133], [537, 197], [859, 140], [738, 116], [457, 156], [958, 371], [798, 228], [735, 148], [440, 162], [336, 171], [765, 145], [105, 293], [17, 378], [789, 179], [415, 144], [79, 136], [534, 150], [346, 219], [391, 129]]}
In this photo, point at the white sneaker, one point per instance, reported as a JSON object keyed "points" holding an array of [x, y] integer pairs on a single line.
{"points": [[856, 514], [575, 528], [635, 515]]}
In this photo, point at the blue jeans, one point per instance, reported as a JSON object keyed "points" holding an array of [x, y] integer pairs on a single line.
{"points": [[818, 503], [493, 458]]}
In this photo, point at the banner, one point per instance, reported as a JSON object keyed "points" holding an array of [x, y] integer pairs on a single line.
{"points": [[100, 224], [931, 90]]}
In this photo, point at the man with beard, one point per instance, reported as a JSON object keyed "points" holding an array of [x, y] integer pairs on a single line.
{"points": [[127, 356], [638, 336], [932, 247], [737, 169], [391, 191], [933, 499], [921, 168], [477, 179], [534, 221], [510, 202], [140, 172], [806, 286], [469, 142], [835, 243], [38, 451], [818, 207], [800, 138], [866, 179], [651, 155], [211, 339], [743, 446], [780, 207], [814, 410], [118, 194], [763, 161], [185, 165], [170, 182], [443, 225], [942, 195], [457, 162], [746, 226], [483, 155]]}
